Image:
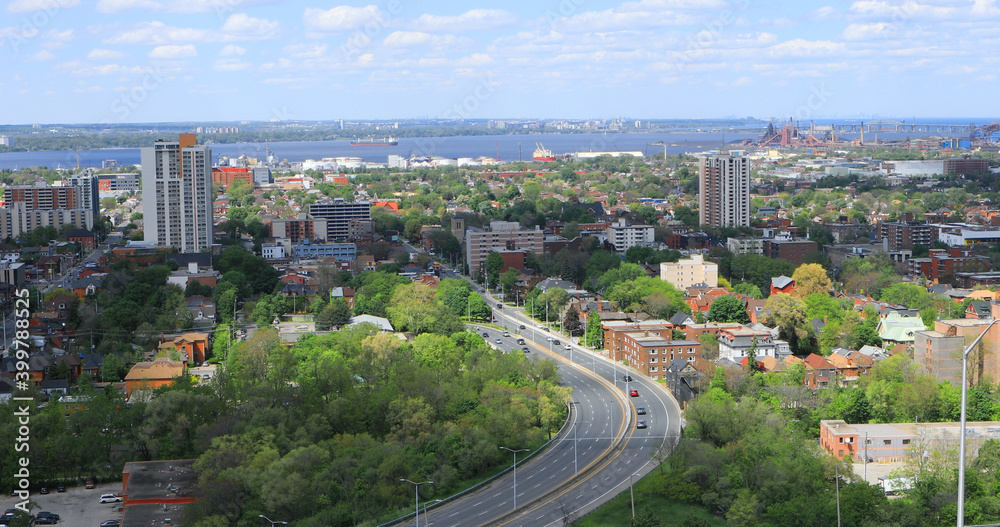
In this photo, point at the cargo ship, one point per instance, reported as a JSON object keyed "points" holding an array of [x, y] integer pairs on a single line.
{"points": [[371, 141], [542, 154]]}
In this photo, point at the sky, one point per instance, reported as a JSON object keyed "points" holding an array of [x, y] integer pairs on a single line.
{"points": [[133, 61]]}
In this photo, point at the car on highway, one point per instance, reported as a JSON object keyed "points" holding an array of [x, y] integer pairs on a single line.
{"points": [[521, 327], [506, 333], [633, 393], [525, 349], [486, 335], [110, 498], [520, 341], [640, 411], [499, 305], [640, 424], [556, 342], [549, 338], [627, 378], [499, 341], [568, 347]]}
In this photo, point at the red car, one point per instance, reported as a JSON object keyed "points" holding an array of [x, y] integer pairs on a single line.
{"points": [[633, 393]]}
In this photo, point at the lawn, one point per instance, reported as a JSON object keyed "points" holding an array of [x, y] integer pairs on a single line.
{"points": [[671, 513]]}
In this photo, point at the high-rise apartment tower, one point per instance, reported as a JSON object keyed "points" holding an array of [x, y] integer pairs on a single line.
{"points": [[177, 194], [724, 199]]}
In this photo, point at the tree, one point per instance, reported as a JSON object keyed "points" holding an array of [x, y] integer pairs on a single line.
{"points": [[334, 315], [494, 261], [748, 289], [113, 368], [789, 314], [571, 321], [728, 309], [595, 333], [478, 307], [379, 250], [811, 278]]}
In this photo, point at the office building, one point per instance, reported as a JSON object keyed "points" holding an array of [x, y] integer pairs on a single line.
{"points": [[724, 200], [690, 272], [338, 215], [501, 236], [177, 194], [262, 176], [623, 236]]}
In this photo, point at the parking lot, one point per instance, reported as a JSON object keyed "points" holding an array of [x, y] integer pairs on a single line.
{"points": [[77, 507]]}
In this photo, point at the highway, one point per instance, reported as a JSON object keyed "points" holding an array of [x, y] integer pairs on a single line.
{"points": [[600, 443]]}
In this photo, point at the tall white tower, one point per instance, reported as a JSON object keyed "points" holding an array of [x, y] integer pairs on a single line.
{"points": [[177, 194]]}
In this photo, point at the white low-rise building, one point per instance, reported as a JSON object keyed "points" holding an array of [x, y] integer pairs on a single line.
{"points": [[689, 272]]}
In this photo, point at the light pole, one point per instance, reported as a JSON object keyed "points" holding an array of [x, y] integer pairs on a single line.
{"points": [[961, 439], [273, 523], [836, 471], [515, 469], [576, 466], [631, 493], [428, 504], [416, 499]]}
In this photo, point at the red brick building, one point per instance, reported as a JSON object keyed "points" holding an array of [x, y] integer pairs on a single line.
{"points": [[227, 175], [793, 251], [945, 263]]}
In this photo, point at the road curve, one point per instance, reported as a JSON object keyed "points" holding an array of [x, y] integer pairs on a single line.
{"points": [[596, 455]]}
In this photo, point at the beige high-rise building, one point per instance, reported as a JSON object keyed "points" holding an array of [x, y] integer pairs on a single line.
{"points": [[724, 197], [177, 194], [683, 274]]}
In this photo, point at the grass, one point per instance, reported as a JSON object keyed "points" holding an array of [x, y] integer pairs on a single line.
{"points": [[618, 511]]}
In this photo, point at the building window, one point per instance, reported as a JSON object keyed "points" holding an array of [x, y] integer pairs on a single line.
{"points": [[887, 441], [906, 441]]}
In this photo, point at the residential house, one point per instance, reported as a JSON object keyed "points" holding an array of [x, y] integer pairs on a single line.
{"points": [[980, 310], [194, 346], [686, 379], [736, 343], [695, 331], [152, 375], [782, 284], [896, 329], [347, 293]]}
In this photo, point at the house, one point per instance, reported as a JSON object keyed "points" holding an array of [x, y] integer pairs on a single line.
{"points": [[979, 309], [194, 346], [54, 387], [82, 236], [152, 375], [202, 308], [88, 285], [736, 343], [347, 293], [782, 284], [895, 328], [819, 371], [686, 379]]}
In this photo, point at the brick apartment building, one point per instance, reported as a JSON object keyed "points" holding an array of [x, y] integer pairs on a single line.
{"points": [[793, 251], [943, 264]]}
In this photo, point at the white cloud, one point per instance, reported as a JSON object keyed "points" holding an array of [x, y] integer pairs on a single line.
{"points": [[805, 48], [867, 31], [825, 13], [232, 50], [405, 39], [231, 65], [341, 18], [51, 6], [173, 52], [646, 14], [82, 69], [305, 51], [104, 54], [157, 33], [42, 56], [474, 20], [246, 26], [178, 6]]}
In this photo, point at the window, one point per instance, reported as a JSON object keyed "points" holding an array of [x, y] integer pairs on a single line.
{"points": [[887, 441], [906, 441], [840, 440]]}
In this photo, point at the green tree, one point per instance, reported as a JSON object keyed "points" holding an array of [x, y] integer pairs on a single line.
{"points": [[494, 261], [334, 315], [478, 307], [595, 333], [113, 368], [728, 309], [748, 289]]}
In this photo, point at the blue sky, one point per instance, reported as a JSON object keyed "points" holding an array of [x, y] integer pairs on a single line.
{"points": [[83, 61]]}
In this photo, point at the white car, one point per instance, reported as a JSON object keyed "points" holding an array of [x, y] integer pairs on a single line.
{"points": [[110, 498], [568, 347]]}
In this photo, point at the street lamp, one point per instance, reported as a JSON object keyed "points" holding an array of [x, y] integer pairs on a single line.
{"points": [[836, 471], [273, 523], [515, 469], [416, 499], [576, 466], [631, 493], [961, 439]]}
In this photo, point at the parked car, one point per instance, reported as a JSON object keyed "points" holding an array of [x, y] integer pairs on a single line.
{"points": [[61, 488], [110, 498], [44, 520], [43, 490], [90, 483], [206, 377], [640, 424], [46, 514], [111, 523], [640, 411], [633, 393]]}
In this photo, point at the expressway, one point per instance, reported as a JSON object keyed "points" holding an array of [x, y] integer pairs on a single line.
{"points": [[596, 455]]}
